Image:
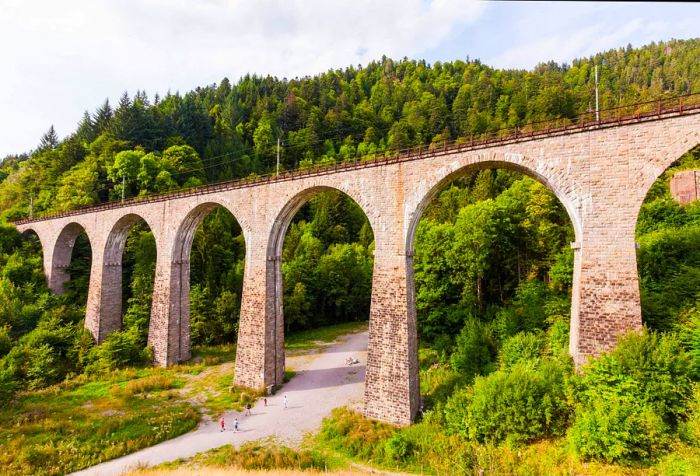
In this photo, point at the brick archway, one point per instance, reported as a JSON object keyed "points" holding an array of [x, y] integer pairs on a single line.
{"points": [[441, 178], [62, 256], [180, 347], [105, 301]]}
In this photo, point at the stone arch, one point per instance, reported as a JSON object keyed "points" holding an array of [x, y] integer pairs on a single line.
{"points": [[294, 204], [554, 183], [62, 255], [180, 270], [26, 233], [443, 177], [116, 239], [105, 302], [654, 169], [184, 236], [661, 269], [275, 292]]}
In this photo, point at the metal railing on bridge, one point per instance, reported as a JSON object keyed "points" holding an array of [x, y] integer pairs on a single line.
{"points": [[613, 117]]}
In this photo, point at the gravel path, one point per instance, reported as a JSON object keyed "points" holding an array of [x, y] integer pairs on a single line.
{"points": [[323, 382]]}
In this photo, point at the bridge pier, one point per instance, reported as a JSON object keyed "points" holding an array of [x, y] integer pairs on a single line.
{"points": [[392, 392], [103, 313], [260, 349]]}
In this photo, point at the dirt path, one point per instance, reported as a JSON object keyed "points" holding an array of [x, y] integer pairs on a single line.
{"points": [[323, 382]]}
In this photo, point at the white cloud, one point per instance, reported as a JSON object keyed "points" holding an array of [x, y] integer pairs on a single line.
{"points": [[580, 30], [60, 58]]}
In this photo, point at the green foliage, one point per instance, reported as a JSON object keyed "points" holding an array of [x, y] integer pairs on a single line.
{"points": [[351, 433], [119, 349], [689, 333], [618, 429], [630, 401], [517, 405], [669, 269], [8, 386], [523, 348], [475, 350]]}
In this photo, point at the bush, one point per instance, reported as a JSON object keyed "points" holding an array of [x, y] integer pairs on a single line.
{"points": [[689, 332], [517, 405], [44, 367], [522, 347], [5, 341], [398, 448], [8, 386], [648, 368], [350, 432], [619, 430], [630, 401], [475, 350], [527, 312], [120, 349]]}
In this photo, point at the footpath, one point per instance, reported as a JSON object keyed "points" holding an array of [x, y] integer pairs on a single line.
{"points": [[323, 381]]}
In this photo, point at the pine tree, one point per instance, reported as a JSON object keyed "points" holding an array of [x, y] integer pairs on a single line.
{"points": [[103, 116], [49, 140]]}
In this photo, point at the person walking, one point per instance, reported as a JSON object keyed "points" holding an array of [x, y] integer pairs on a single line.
{"points": [[265, 401], [235, 425], [222, 423], [247, 409], [285, 401]]}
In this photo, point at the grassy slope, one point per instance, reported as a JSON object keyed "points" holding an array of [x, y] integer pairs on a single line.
{"points": [[82, 422]]}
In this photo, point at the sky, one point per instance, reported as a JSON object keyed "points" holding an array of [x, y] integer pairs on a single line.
{"points": [[60, 58]]}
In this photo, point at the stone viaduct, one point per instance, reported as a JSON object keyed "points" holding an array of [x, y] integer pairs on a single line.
{"points": [[600, 173]]}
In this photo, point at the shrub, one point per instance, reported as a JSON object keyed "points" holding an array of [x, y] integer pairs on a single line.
{"points": [[398, 447], [517, 405], [5, 341], [121, 348], [475, 350], [350, 432], [649, 368], [43, 368], [689, 331], [630, 401], [256, 455], [522, 347], [618, 429], [8, 386], [527, 311]]}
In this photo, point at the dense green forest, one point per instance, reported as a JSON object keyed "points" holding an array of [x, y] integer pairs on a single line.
{"points": [[493, 265]]}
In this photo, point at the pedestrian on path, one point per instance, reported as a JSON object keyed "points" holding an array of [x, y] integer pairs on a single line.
{"points": [[285, 401], [222, 423], [265, 401], [247, 409], [235, 425]]}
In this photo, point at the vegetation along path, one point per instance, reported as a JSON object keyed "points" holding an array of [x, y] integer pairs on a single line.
{"points": [[322, 382]]}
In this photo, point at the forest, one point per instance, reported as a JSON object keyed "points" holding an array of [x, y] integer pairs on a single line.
{"points": [[493, 264]]}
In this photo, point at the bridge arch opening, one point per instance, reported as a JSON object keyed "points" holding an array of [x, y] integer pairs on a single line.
{"points": [[490, 262], [321, 264], [71, 263], [667, 234], [208, 264], [128, 272]]}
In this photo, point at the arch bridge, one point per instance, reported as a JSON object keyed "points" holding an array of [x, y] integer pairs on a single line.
{"points": [[600, 172]]}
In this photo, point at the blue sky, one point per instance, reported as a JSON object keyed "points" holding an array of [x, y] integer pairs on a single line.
{"points": [[61, 58]]}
